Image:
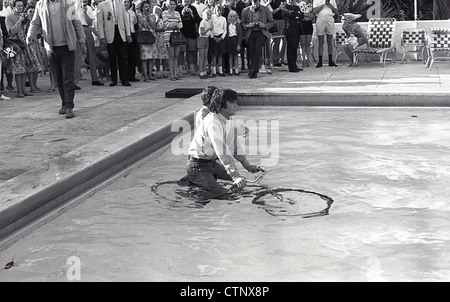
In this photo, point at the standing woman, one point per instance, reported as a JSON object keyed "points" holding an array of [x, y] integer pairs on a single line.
{"points": [[34, 63], [16, 25], [149, 52], [307, 30], [172, 21], [163, 54]]}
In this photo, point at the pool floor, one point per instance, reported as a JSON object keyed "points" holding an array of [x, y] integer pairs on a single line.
{"points": [[387, 171]]}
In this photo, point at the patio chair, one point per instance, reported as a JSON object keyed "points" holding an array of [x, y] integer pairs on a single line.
{"points": [[381, 33], [413, 41], [438, 45]]}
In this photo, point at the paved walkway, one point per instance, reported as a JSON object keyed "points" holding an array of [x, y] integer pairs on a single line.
{"points": [[46, 159]]}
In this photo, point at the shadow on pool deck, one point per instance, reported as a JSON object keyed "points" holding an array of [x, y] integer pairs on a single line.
{"points": [[46, 159]]}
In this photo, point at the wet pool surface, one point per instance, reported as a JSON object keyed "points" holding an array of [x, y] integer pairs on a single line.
{"points": [[386, 171]]}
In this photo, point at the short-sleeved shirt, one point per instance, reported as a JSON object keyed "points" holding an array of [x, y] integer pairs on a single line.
{"points": [[326, 11]]}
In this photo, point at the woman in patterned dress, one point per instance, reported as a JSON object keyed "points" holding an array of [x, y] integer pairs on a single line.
{"points": [[16, 26], [148, 52], [35, 56], [163, 54]]}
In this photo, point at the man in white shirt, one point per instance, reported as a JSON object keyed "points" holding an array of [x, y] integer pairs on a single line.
{"points": [[325, 11], [211, 154]]}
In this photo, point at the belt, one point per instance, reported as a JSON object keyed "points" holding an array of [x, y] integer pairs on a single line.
{"points": [[201, 160]]}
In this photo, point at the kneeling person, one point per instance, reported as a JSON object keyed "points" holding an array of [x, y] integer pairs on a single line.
{"points": [[211, 152]]}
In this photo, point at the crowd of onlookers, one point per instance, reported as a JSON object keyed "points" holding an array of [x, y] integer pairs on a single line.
{"points": [[221, 38]]}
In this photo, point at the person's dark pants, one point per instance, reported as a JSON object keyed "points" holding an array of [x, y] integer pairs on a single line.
{"points": [[291, 51], [117, 51], [132, 57], [256, 41], [62, 60], [205, 175]]}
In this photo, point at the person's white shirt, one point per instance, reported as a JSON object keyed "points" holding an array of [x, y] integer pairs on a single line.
{"points": [[326, 11], [219, 25], [215, 139], [200, 7], [89, 13], [5, 12]]}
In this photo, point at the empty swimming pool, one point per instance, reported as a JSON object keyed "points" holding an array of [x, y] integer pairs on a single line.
{"points": [[386, 171]]}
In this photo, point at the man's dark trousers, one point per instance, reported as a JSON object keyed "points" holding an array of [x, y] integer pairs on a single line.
{"points": [[255, 43], [62, 60], [291, 51], [117, 51]]}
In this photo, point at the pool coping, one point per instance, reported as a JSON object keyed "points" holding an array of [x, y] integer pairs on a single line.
{"points": [[84, 168]]}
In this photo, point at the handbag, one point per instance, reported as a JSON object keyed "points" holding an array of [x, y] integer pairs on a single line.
{"points": [[274, 28], [177, 38], [145, 37]]}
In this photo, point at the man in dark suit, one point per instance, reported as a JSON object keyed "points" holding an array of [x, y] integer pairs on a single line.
{"points": [[256, 19], [293, 26], [114, 31]]}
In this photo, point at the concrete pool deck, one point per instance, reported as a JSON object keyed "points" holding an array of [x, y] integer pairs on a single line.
{"points": [[46, 159]]}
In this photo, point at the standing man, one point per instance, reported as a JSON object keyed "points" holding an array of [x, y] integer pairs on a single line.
{"points": [[256, 19], [114, 31], [325, 10], [87, 19], [62, 32], [292, 18]]}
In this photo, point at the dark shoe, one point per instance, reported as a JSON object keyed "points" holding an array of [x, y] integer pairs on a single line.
{"points": [[332, 64], [222, 75], [214, 75], [237, 73], [278, 64], [134, 80], [126, 83], [27, 94], [250, 74], [97, 83], [69, 113], [77, 87], [113, 84], [204, 76], [294, 70], [62, 110], [319, 65]]}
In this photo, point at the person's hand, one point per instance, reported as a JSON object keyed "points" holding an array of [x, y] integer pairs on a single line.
{"points": [[240, 182], [83, 48], [255, 168], [238, 48], [262, 25], [251, 25]]}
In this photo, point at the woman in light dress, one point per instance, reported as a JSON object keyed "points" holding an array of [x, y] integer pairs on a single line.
{"points": [[148, 52]]}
